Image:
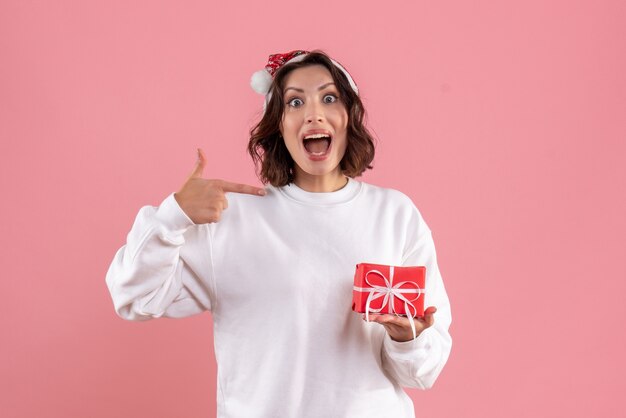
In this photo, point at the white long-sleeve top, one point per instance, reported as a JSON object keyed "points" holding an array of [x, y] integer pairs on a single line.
{"points": [[277, 273]]}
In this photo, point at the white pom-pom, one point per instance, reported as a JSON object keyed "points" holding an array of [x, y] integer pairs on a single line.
{"points": [[261, 81]]}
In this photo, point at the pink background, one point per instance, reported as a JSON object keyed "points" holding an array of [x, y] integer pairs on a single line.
{"points": [[503, 121]]}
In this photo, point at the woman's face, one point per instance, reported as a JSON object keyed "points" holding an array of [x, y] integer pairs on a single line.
{"points": [[312, 105]]}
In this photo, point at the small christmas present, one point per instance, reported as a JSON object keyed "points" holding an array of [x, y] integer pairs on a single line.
{"points": [[384, 289]]}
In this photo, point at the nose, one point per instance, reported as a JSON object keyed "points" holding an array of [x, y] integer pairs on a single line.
{"points": [[314, 113]]}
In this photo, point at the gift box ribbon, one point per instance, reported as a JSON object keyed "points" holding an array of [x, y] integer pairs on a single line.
{"points": [[389, 292]]}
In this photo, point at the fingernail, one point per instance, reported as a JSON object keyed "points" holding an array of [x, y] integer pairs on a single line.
{"points": [[262, 192]]}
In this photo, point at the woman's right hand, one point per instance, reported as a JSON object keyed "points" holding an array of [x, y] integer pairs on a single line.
{"points": [[204, 200]]}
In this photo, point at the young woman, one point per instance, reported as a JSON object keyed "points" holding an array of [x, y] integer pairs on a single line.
{"points": [[275, 265]]}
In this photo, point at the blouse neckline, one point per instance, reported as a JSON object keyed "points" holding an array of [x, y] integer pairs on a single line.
{"points": [[343, 195]]}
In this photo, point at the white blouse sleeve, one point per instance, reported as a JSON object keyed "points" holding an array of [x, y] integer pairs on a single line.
{"points": [[148, 278], [418, 363]]}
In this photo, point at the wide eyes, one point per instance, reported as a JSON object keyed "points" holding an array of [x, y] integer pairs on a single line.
{"points": [[295, 102]]}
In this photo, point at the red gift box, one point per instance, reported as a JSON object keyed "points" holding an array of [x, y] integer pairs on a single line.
{"points": [[389, 289]]}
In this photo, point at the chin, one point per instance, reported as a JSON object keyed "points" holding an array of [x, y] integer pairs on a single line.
{"points": [[320, 170]]}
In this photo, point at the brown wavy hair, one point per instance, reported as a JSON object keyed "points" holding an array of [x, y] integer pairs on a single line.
{"points": [[271, 157]]}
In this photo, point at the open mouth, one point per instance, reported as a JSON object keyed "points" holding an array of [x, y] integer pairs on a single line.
{"points": [[318, 144]]}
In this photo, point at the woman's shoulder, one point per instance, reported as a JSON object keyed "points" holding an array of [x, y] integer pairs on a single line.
{"points": [[399, 201], [391, 194]]}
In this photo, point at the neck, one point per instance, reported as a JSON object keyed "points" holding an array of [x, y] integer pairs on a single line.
{"points": [[330, 182]]}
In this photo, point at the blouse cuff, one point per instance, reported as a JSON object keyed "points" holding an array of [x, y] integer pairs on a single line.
{"points": [[171, 216], [407, 348]]}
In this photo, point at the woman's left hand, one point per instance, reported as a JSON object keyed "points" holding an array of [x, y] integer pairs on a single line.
{"points": [[399, 327]]}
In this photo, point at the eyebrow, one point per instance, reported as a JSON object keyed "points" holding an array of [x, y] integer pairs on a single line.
{"points": [[302, 91]]}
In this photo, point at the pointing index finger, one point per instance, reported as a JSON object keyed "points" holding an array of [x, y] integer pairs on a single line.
{"points": [[228, 186]]}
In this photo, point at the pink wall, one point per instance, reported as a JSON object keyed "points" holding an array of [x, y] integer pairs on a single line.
{"points": [[504, 121]]}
